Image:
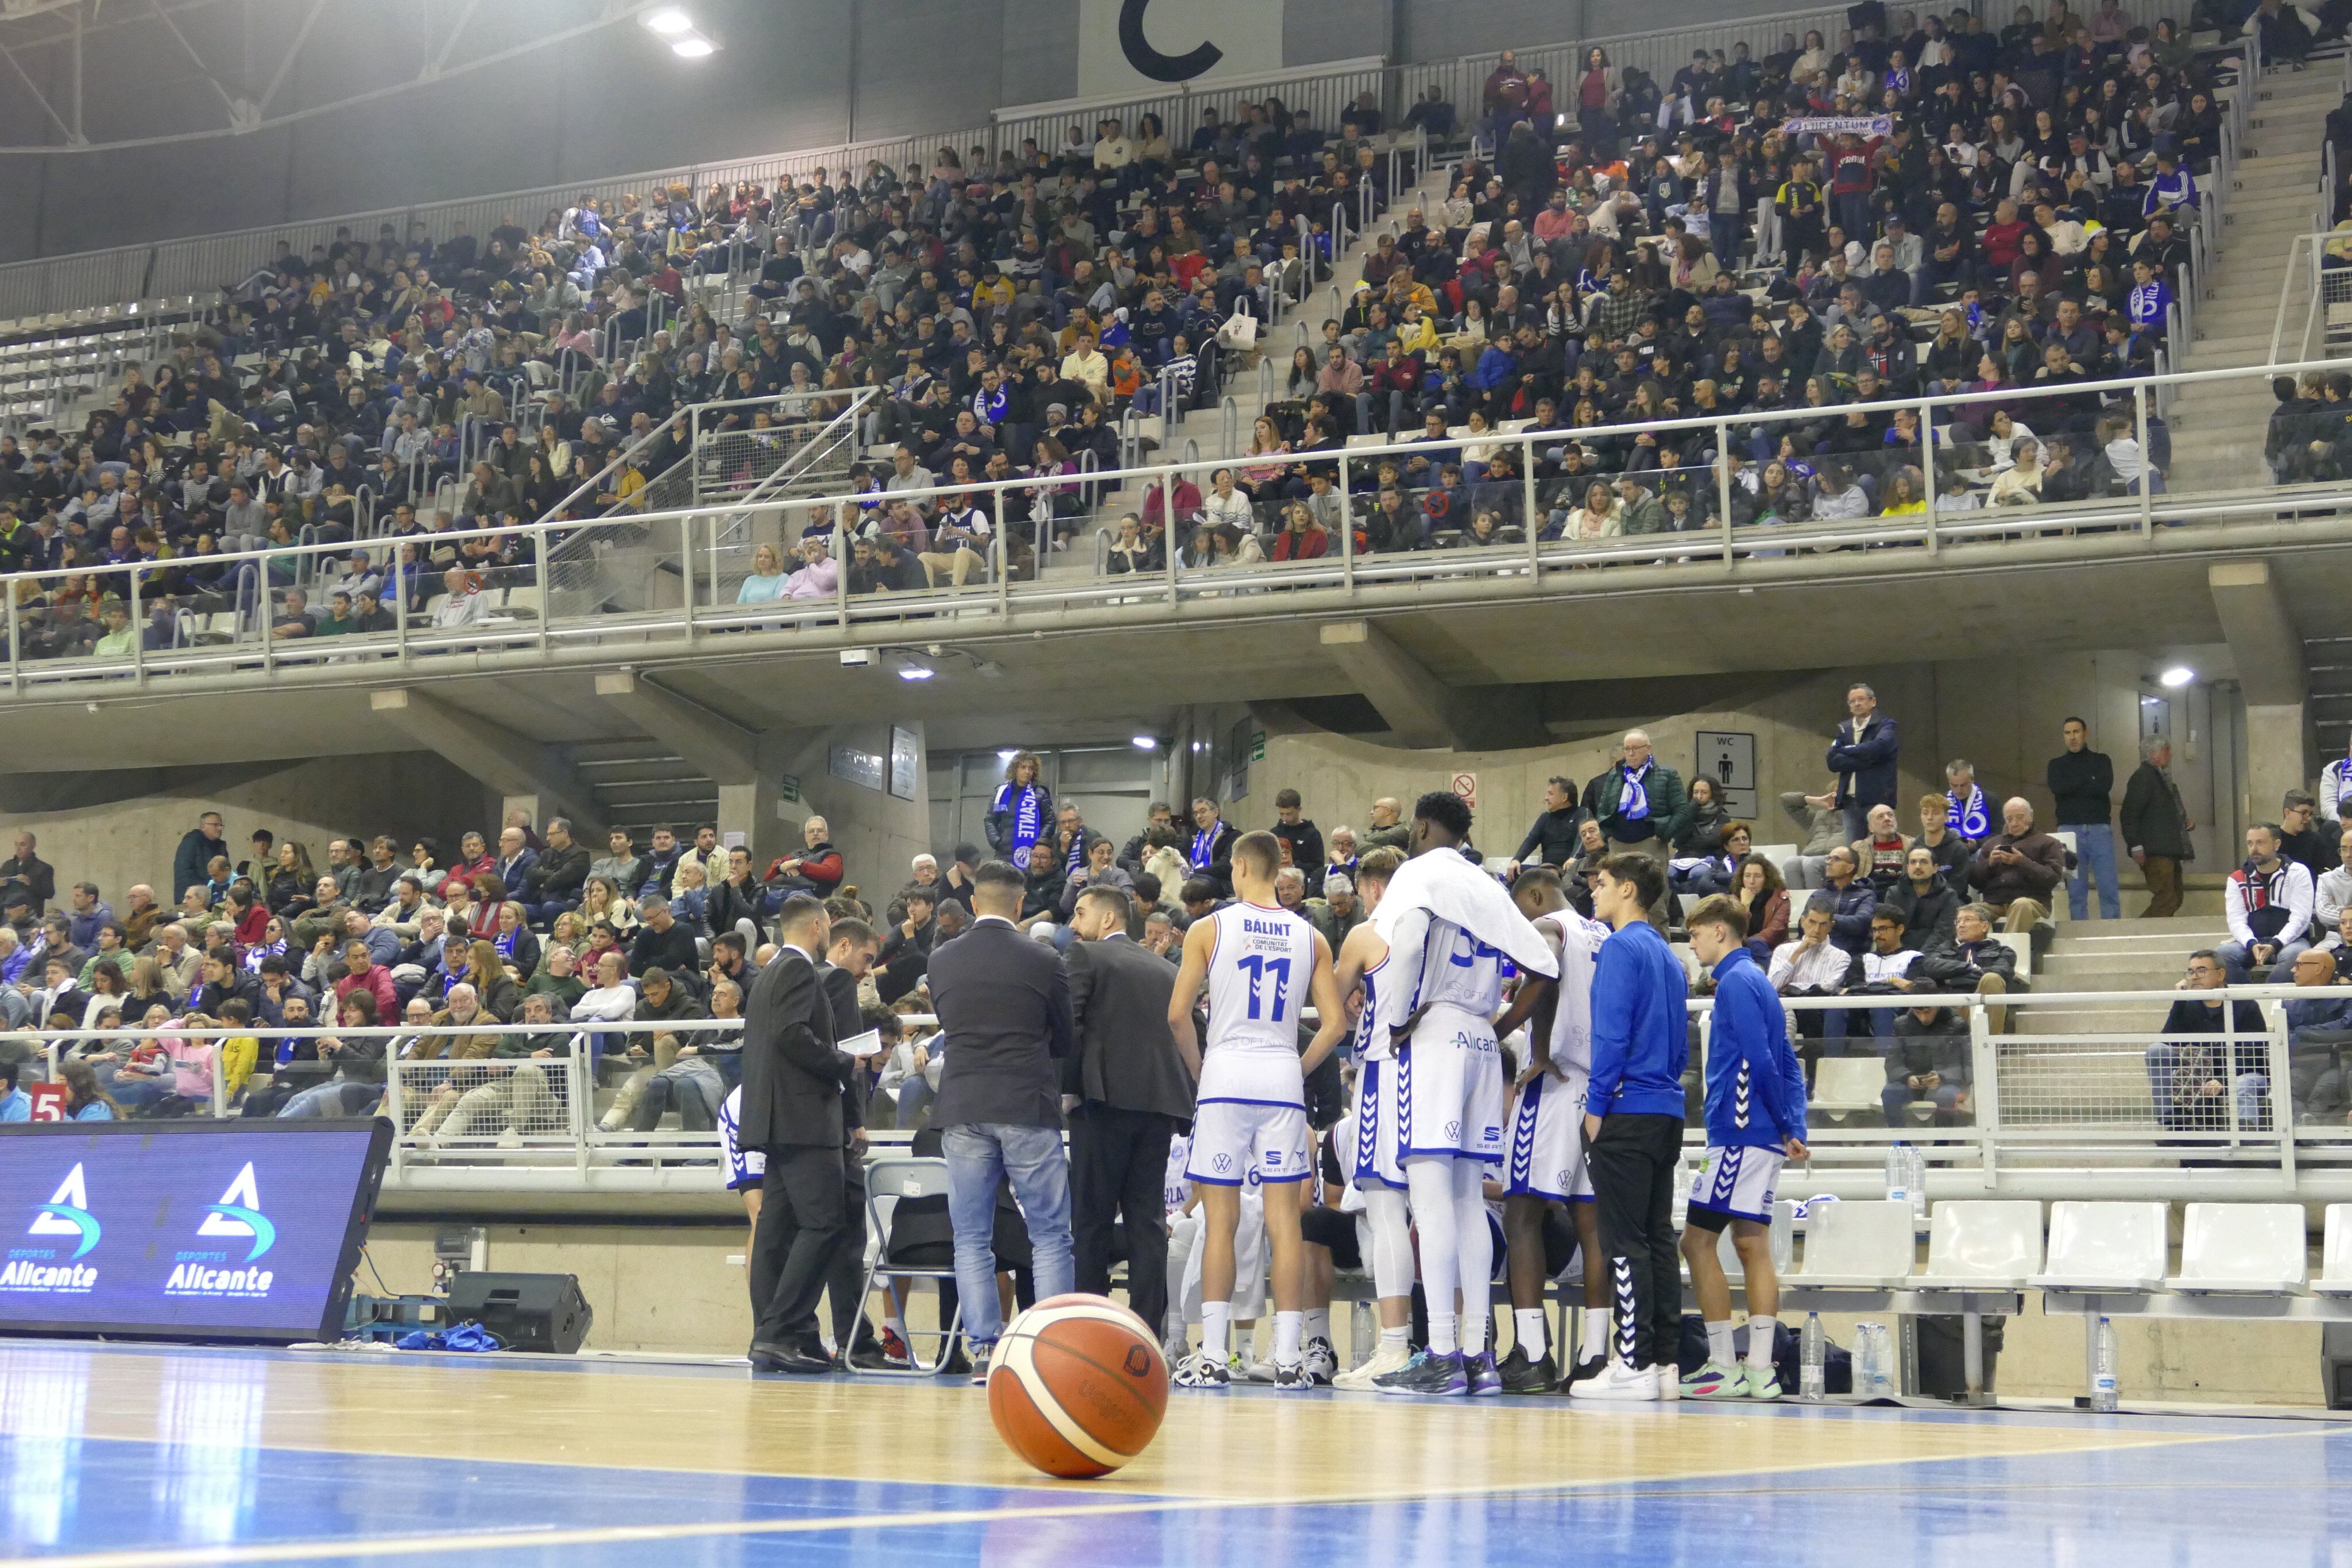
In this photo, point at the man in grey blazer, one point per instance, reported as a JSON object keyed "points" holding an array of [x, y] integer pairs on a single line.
{"points": [[1003, 1006], [1133, 1087]]}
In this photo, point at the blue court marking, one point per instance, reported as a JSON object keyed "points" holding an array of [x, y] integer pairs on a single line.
{"points": [[2274, 1500]]}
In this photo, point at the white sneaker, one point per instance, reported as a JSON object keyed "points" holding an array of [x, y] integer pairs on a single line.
{"points": [[1321, 1361], [1621, 1383], [1670, 1381], [1386, 1359], [1255, 1372]]}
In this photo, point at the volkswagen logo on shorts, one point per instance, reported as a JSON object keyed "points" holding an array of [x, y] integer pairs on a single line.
{"points": [[1452, 1130], [1223, 1163]]}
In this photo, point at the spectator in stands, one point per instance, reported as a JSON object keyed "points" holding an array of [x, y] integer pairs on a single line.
{"points": [[2019, 869], [2156, 826], [1931, 1059], [2268, 903], [2300, 838], [1851, 899], [1641, 804], [26, 869], [1824, 825], [1551, 838], [817, 870], [1863, 755], [198, 848], [2319, 1031], [2190, 1069]]}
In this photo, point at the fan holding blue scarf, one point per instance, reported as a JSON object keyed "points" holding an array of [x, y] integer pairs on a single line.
{"points": [[1210, 853], [1641, 804], [1022, 811]]}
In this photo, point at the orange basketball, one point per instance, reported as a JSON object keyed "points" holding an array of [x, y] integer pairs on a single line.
{"points": [[1078, 1387]]}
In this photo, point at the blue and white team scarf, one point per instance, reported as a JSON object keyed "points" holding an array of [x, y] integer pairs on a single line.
{"points": [[1076, 860], [1635, 807], [1204, 843], [1028, 809], [1971, 819]]}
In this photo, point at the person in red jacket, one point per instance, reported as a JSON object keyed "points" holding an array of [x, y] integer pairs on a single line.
{"points": [[1302, 537], [363, 973], [817, 870]]}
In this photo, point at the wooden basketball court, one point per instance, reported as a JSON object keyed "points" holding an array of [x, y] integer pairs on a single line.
{"points": [[129, 1458]]}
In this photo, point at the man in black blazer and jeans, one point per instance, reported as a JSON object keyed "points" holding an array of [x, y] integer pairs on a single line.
{"points": [[1003, 1005], [1134, 1084], [792, 1113]]}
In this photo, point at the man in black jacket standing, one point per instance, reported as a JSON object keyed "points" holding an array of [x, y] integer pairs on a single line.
{"points": [[1003, 1005], [2081, 784], [557, 875], [1552, 840], [1134, 1087], [792, 1113], [2156, 826], [850, 946]]}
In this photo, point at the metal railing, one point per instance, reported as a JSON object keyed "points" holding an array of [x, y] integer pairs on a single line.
{"points": [[1732, 526], [2123, 1109]]}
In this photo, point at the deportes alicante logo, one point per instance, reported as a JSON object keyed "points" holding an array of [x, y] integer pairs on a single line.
{"points": [[41, 1268], [236, 1217]]}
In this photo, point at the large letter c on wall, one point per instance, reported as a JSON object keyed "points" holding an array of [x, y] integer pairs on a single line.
{"points": [[1150, 61]]}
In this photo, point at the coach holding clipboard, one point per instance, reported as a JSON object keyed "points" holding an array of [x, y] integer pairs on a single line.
{"points": [[1003, 1006]]}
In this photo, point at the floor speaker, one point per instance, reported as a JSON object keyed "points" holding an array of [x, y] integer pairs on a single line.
{"points": [[529, 1312]]}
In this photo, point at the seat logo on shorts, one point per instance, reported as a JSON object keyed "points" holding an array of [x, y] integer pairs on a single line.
{"points": [[1223, 1163], [1273, 1157]]}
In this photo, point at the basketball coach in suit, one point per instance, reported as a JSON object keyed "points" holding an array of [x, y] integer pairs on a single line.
{"points": [[1134, 1088], [1003, 1006], [792, 1114]]}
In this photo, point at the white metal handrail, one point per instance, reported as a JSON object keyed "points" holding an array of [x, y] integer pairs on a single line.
{"points": [[2253, 507], [2044, 1116]]}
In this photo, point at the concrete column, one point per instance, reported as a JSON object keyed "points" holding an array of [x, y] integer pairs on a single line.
{"points": [[1416, 704], [2272, 673], [521, 769], [715, 745]]}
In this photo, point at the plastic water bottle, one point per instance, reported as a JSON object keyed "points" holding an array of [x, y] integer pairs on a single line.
{"points": [[1898, 1174], [1873, 1362], [1918, 1180], [1812, 1361], [2104, 1356]]}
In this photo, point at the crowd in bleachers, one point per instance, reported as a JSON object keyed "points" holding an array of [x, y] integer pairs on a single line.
{"points": [[1945, 207], [544, 930]]}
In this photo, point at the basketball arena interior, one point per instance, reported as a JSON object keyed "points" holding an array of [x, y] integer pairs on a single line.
{"points": [[1174, 780]]}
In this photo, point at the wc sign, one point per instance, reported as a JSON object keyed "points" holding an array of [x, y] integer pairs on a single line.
{"points": [[1144, 46]]}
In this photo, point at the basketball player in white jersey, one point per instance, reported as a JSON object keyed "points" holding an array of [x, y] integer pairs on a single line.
{"points": [[1262, 965], [1546, 1161], [1450, 928], [1375, 1170]]}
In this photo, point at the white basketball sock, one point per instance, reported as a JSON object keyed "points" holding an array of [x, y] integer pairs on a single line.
{"points": [[1475, 1238], [1532, 1330], [1719, 1343], [1442, 1334], [1216, 1322], [1592, 1344], [1761, 1332], [1393, 1339], [1286, 1327], [1317, 1323]]}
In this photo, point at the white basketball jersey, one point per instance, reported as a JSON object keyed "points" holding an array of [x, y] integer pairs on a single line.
{"points": [[1371, 1042], [1457, 970], [1177, 1188], [1259, 974], [1571, 1019]]}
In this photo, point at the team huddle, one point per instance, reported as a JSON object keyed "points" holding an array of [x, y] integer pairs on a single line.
{"points": [[1445, 1156]]}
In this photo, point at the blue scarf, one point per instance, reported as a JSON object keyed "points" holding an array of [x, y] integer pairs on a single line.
{"points": [[1969, 818], [1077, 856], [1028, 809], [1204, 846], [1634, 804]]}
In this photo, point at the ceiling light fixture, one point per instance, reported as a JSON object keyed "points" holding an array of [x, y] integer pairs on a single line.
{"points": [[1147, 743], [693, 49], [669, 22], [2176, 677]]}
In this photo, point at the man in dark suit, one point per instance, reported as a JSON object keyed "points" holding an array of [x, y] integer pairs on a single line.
{"points": [[849, 952], [1003, 1005], [792, 1114], [1134, 1086]]}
